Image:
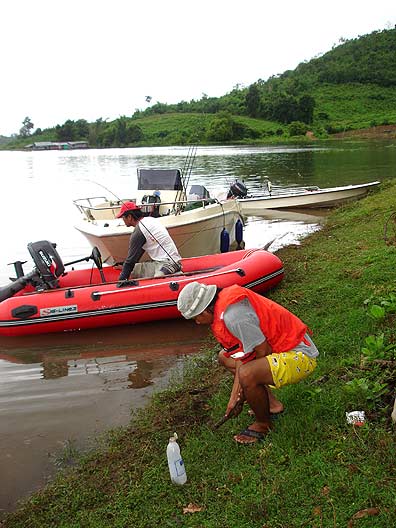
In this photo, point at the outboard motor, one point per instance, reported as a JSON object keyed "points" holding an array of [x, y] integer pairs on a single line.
{"points": [[47, 261], [49, 267], [237, 190]]}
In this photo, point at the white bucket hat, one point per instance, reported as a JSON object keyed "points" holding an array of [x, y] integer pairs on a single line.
{"points": [[195, 298]]}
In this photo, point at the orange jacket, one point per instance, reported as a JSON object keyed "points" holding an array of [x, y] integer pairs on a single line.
{"points": [[282, 329]]}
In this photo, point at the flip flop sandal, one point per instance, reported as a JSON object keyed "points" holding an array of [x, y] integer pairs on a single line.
{"points": [[276, 416], [255, 436]]}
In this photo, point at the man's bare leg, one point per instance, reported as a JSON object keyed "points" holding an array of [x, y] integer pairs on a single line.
{"points": [[275, 405], [254, 378]]}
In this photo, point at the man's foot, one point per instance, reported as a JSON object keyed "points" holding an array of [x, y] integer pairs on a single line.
{"points": [[276, 408], [250, 436]]}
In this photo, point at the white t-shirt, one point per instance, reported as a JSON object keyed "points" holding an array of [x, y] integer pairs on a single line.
{"points": [[159, 244]]}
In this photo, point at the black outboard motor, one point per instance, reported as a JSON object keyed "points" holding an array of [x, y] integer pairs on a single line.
{"points": [[237, 190], [48, 262], [49, 267]]}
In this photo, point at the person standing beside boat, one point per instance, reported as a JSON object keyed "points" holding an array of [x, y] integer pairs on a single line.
{"points": [[264, 345], [149, 235]]}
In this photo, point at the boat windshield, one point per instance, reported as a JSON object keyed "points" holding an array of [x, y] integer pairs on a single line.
{"points": [[159, 179]]}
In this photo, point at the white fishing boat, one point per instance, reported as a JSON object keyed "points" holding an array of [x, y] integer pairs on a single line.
{"points": [[274, 197], [198, 224]]}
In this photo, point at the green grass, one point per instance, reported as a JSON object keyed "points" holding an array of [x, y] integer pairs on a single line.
{"points": [[188, 128], [313, 470], [355, 106]]}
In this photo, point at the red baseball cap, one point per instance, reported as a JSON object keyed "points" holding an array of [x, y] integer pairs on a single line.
{"points": [[127, 207]]}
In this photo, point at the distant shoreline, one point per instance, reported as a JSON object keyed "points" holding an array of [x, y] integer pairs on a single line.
{"points": [[375, 132]]}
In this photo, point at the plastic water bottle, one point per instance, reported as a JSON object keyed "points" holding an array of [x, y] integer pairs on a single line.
{"points": [[393, 415], [177, 470]]}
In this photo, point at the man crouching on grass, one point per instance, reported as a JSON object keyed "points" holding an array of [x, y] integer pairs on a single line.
{"points": [[264, 345]]}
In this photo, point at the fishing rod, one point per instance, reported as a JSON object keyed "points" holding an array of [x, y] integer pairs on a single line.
{"points": [[191, 161], [186, 169], [120, 200], [179, 194]]}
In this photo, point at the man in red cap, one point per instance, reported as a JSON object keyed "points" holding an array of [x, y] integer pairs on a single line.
{"points": [[149, 235]]}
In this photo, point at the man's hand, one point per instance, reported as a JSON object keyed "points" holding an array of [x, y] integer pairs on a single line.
{"points": [[124, 283], [233, 409]]}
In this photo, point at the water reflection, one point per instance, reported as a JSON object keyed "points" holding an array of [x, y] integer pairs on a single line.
{"points": [[277, 229], [74, 386], [100, 351], [141, 376], [54, 369]]}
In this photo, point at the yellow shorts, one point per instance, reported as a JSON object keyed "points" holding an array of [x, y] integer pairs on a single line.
{"points": [[290, 367]]}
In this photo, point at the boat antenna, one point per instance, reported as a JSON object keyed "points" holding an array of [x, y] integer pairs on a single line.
{"points": [[145, 227]]}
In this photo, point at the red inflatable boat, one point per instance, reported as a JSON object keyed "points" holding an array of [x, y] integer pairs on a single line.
{"points": [[52, 299]]}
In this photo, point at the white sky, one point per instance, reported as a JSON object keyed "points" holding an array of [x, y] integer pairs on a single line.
{"points": [[85, 59]]}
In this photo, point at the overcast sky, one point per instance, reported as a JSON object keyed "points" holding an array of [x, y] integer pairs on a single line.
{"points": [[86, 59]]}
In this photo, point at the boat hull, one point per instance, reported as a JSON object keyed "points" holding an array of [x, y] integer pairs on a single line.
{"points": [[307, 199], [74, 307], [195, 233]]}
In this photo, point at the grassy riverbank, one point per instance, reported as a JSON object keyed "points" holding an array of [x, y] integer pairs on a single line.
{"points": [[313, 470]]}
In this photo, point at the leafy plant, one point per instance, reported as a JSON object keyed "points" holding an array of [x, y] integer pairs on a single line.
{"points": [[380, 307], [377, 349], [68, 456], [376, 312], [389, 303], [296, 128], [365, 391]]}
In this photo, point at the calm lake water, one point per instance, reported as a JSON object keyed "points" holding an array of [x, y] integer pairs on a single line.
{"points": [[64, 390]]}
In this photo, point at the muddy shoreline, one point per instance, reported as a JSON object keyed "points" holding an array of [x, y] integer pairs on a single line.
{"points": [[376, 132]]}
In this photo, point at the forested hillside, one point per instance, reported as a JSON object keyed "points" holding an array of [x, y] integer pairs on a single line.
{"points": [[371, 59], [367, 61], [353, 86]]}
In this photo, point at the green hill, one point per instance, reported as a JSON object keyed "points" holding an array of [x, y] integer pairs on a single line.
{"points": [[351, 87], [370, 59], [353, 106]]}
